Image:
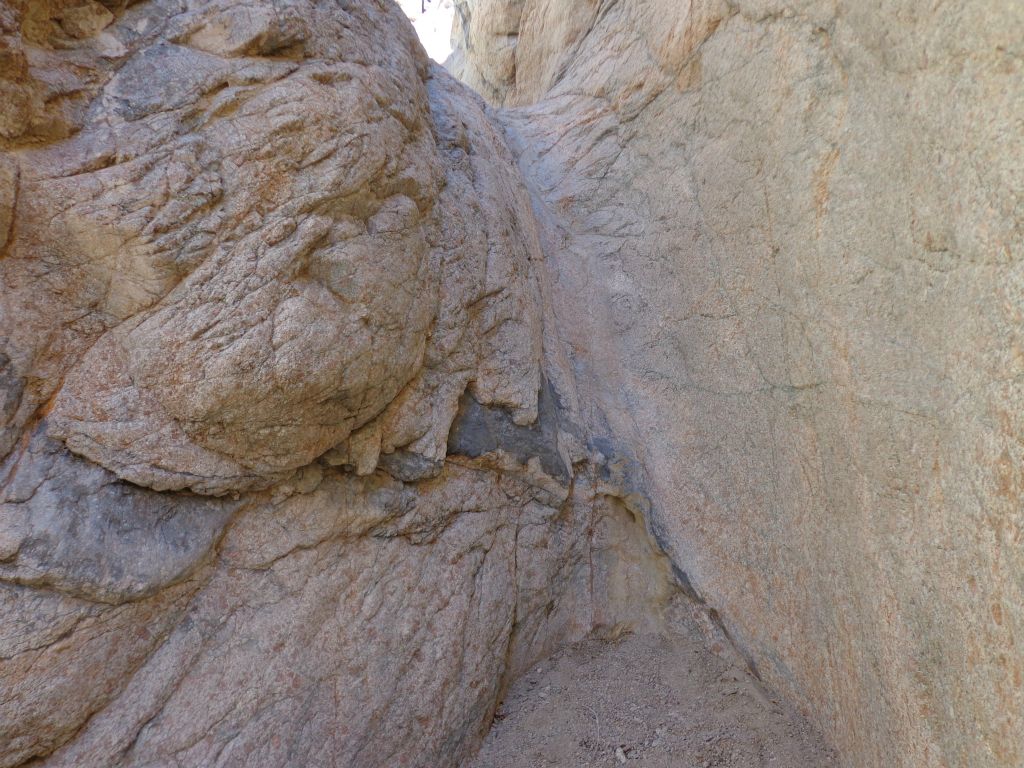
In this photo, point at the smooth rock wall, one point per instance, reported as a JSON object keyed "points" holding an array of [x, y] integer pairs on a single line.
{"points": [[787, 258]]}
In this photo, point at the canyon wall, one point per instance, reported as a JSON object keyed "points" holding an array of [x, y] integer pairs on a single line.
{"points": [[786, 253], [292, 474], [331, 398]]}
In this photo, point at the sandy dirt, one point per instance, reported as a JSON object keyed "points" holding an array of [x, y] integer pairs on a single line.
{"points": [[649, 701]]}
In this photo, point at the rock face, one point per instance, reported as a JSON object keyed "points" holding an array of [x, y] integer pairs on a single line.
{"points": [[256, 260], [247, 189], [788, 258], [330, 399]]}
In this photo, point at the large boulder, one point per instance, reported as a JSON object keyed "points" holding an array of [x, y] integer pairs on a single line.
{"points": [[257, 258]]}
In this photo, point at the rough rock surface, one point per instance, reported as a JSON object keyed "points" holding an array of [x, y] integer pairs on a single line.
{"points": [[788, 259], [256, 247], [257, 258], [330, 400]]}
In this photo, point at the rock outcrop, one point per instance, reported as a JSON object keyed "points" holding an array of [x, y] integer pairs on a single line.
{"points": [[259, 240], [788, 258], [331, 397], [257, 259]]}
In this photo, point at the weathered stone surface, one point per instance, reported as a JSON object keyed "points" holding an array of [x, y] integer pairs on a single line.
{"points": [[67, 524], [325, 413], [258, 246], [788, 259], [487, 36], [340, 621], [484, 38], [253, 257], [362, 623]]}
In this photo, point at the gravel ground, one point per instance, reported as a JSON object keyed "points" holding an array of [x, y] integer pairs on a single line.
{"points": [[652, 701]]}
